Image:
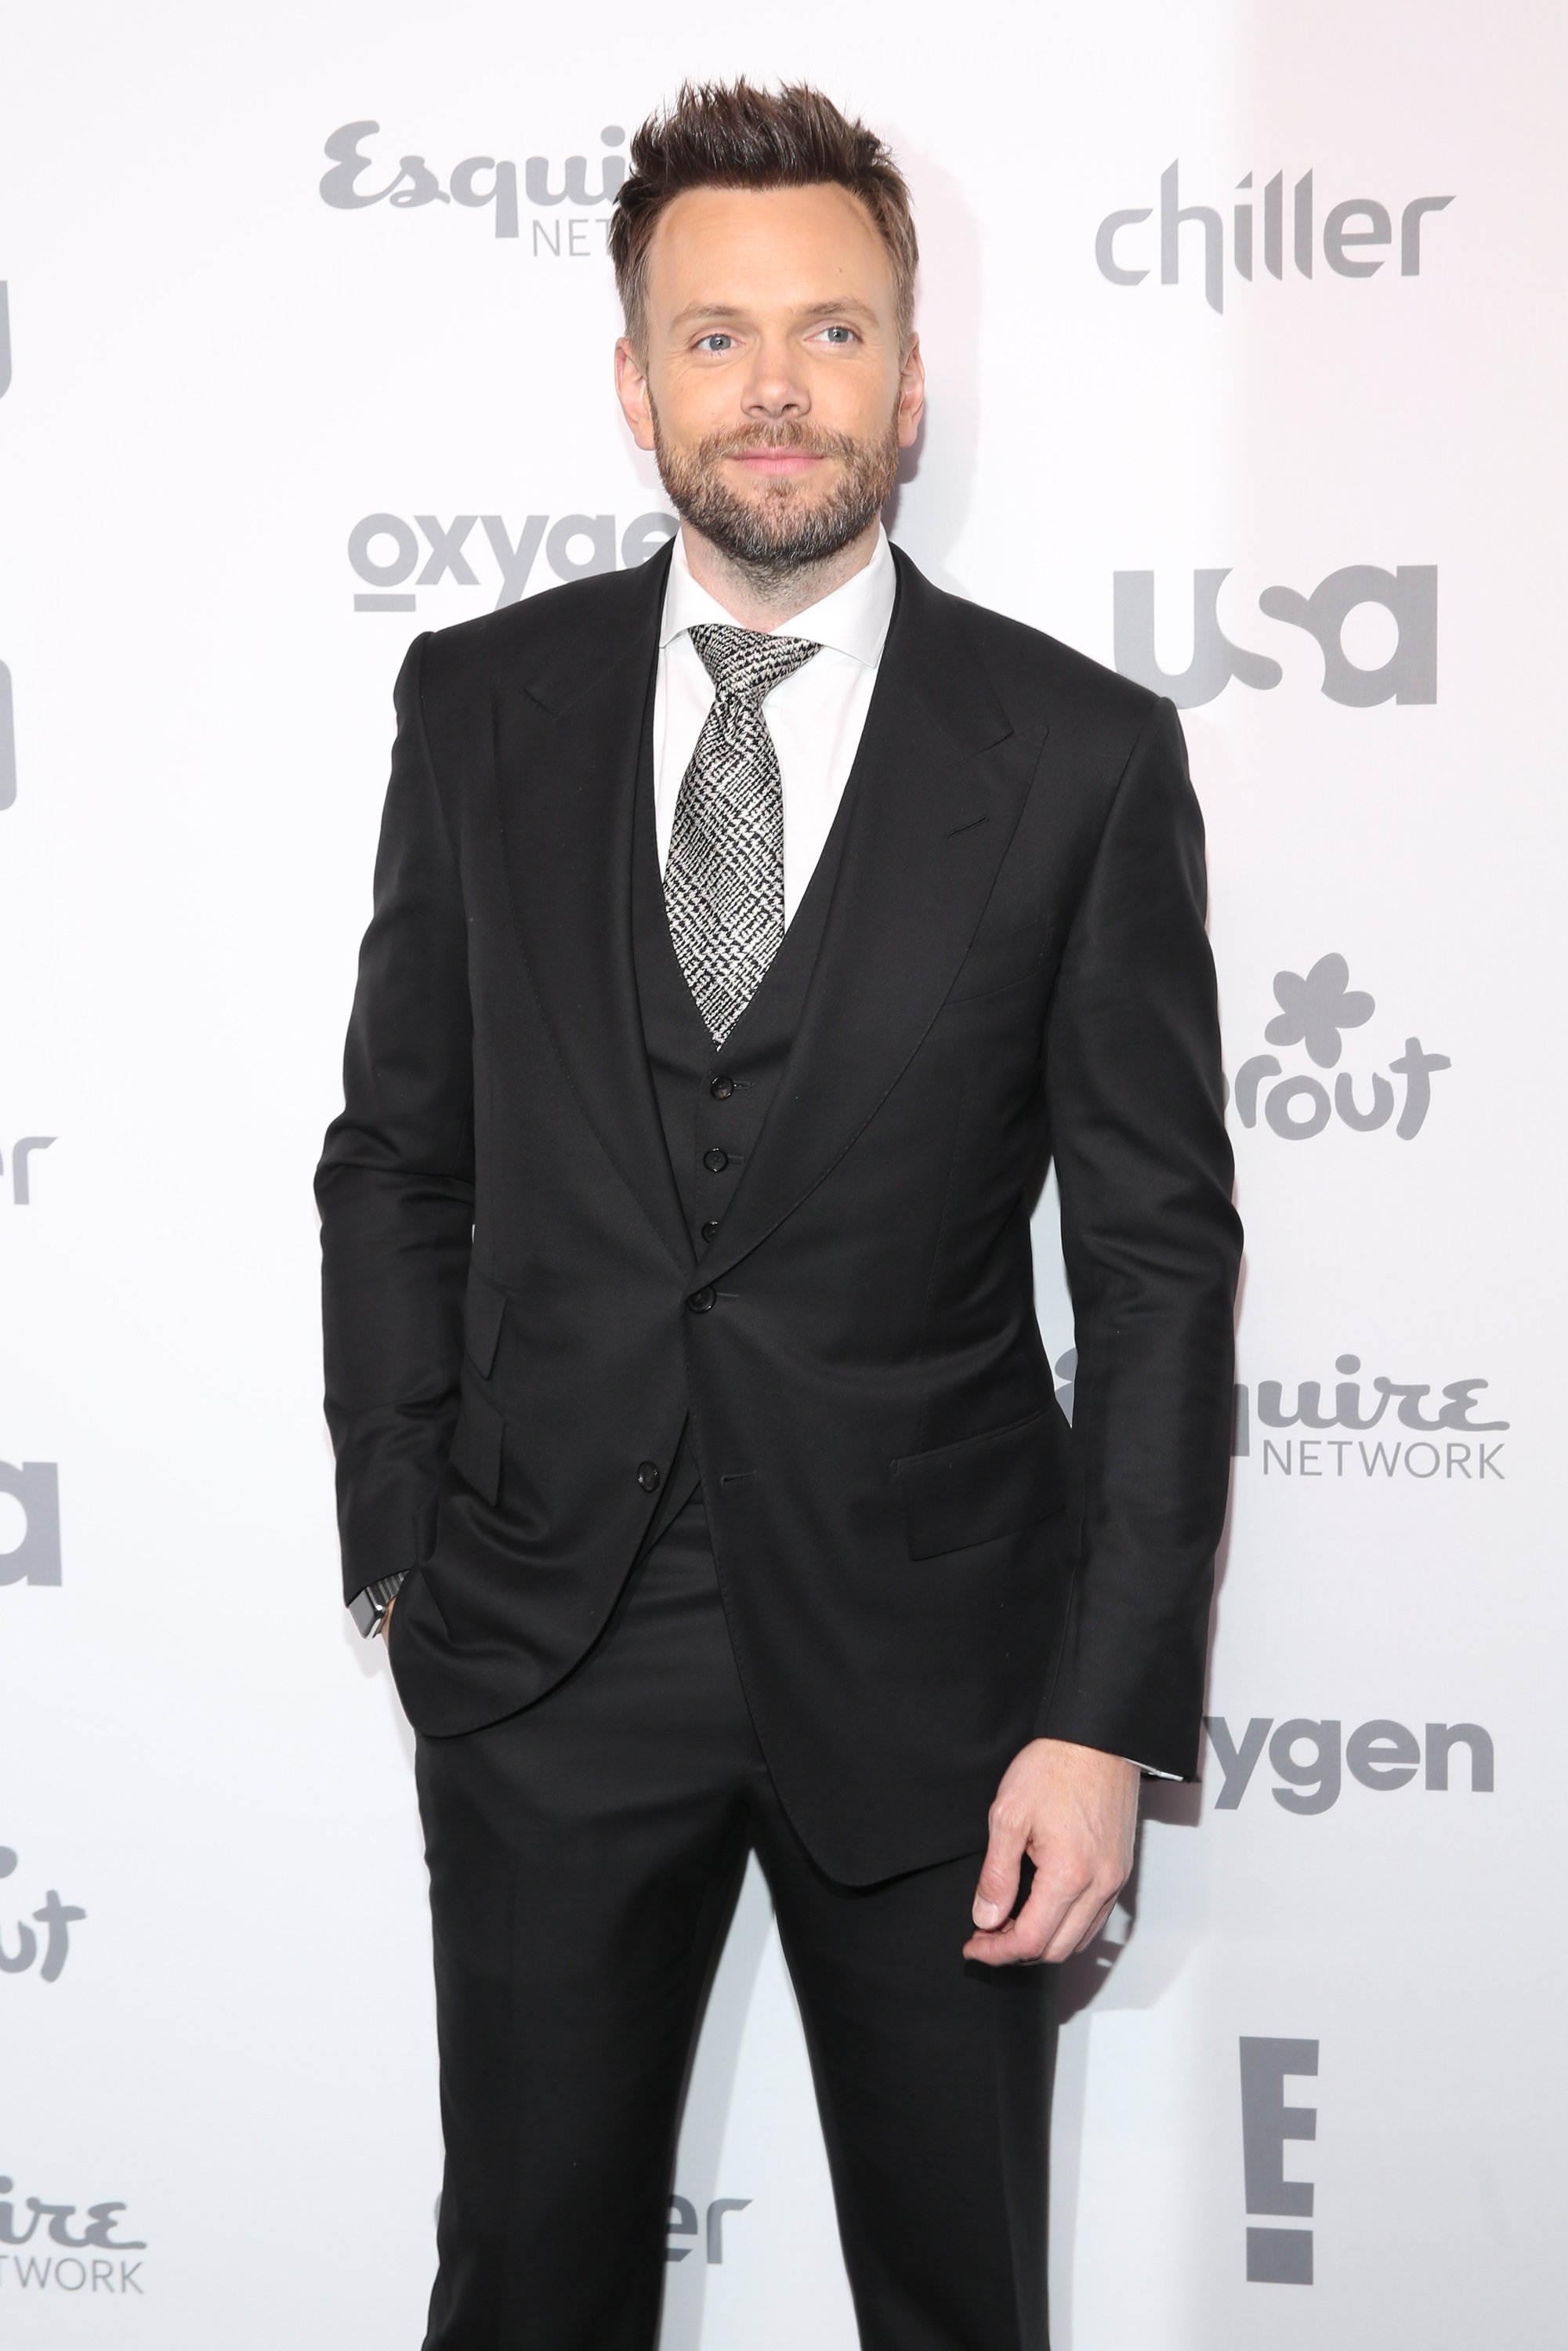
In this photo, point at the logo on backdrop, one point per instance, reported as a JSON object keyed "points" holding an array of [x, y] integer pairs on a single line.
{"points": [[1380, 1755], [569, 219], [1276, 2256], [1454, 1449], [683, 2222], [21, 1152], [1357, 235], [56, 1918], [385, 551], [1407, 596], [65, 2259], [29, 1522], [7, 741], [1316, 1007]]}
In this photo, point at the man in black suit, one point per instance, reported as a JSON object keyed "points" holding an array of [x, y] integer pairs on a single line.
{"points": [[749, 930]]}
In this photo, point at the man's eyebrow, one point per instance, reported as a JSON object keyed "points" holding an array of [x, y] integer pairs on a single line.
{"points": [[709, 313]]}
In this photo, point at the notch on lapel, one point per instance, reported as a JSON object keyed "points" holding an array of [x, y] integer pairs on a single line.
{"points": [[568, 737], [937, 788]]}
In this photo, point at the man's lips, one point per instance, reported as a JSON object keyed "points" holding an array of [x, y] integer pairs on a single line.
{"points": [[773, 462]]}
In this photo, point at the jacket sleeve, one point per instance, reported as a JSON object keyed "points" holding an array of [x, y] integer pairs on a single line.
{"points": [[1152, 1246], [395, 1185]]}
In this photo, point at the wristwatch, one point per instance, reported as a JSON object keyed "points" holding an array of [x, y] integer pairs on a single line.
{"points": [[368, 1607]]}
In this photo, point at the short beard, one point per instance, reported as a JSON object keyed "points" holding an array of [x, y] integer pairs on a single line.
{"points": [[786, 529]]}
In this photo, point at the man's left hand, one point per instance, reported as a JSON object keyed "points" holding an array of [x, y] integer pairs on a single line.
{"points": [[1073, 1811]]}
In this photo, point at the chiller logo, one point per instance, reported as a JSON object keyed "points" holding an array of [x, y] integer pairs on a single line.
{"points": [[1449, 1445], [1357, 225], [65, 2260], [1276, 2256], [682, 2223], [22, 1151], [33, 1556], [486, 182], [1380, 1755], [1315, 1007], [385, 551], [1408, 673], [57, 1919]]}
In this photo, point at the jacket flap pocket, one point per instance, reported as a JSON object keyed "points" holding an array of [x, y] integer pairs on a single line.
{"points": [[476, 1444], [482, 1315], [983, 1486]]}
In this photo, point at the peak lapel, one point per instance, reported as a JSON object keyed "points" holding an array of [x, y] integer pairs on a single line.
{"points": [[569, 735], [937, 790]]}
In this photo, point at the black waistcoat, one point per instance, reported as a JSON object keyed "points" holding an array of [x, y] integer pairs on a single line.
{"points": [[713, 1100]]}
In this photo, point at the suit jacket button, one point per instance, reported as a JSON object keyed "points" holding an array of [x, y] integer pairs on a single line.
{"points": [[648, 1477], [703, 1301], [710, 1230], [715, 1162], [721, 1089]]}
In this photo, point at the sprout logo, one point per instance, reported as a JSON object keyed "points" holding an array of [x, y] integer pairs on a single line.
{"points": [[1315, 1010]]}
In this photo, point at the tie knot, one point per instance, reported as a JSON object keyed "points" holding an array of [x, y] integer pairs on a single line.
{"points": [[747, 664]]}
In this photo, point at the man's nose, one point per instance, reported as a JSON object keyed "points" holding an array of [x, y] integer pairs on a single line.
{"points": [[774, 387]]}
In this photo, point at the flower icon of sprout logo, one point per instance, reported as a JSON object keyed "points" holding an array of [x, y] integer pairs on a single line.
{"points": [[1313, 1011]]}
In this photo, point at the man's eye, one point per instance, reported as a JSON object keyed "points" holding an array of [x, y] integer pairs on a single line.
{"points": [[715, 342], [838, 335]]}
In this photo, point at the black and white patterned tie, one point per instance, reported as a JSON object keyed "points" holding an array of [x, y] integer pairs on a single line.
{"points": [[723, 875]]}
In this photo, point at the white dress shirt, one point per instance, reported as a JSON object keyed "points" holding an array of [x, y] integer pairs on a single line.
{"points": [[815, 718]]}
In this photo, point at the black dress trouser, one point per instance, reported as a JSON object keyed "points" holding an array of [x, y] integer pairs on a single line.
{"points": [[584, 1856]]}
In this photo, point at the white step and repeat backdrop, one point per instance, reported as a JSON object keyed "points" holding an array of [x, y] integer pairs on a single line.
{"points": [[1246, 374]]}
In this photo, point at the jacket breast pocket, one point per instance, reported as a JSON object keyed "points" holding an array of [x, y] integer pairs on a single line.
{"points": [[983, 1486], [998, 960]]}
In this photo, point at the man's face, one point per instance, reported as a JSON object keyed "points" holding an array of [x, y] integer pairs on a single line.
{"points": [[771, 387]]}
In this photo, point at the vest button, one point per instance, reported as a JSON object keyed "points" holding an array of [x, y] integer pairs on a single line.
{"points": [[715, 1162], [710, 1230], [703, 1301], [648, 1477], [721, 1089]]}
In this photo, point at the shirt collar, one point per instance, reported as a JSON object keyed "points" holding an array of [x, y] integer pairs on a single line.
{"points": [[852, 620]]}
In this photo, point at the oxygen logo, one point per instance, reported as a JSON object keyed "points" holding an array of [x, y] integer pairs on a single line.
{"points": [[1315, 1007], [1357, 227], [1408, 673], [485, 183], [29, 1492], [1276, 2256], [1380, 1755], [385, 552]]}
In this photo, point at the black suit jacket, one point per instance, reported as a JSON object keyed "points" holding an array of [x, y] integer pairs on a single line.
{"points": [[921, 1565]]}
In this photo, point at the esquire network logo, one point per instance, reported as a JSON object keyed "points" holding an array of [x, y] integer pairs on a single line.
{"points": [[1316, 1007], [1357, 235], [386, 553], [57, 1919], [1405, 672], [1276, 2256], [29, 1522], [486, 184], [1450, 1445], [1380, 1755], [88, 2259]]}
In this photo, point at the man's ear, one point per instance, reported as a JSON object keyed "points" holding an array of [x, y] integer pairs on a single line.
{"points": [[631, 392], [911, 394]]}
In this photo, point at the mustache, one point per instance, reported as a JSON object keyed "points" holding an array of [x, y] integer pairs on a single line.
{"points": [[789, 433]]}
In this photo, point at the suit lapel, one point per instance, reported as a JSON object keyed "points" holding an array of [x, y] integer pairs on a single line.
{"points": [[568, 734], [937, 790]]}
